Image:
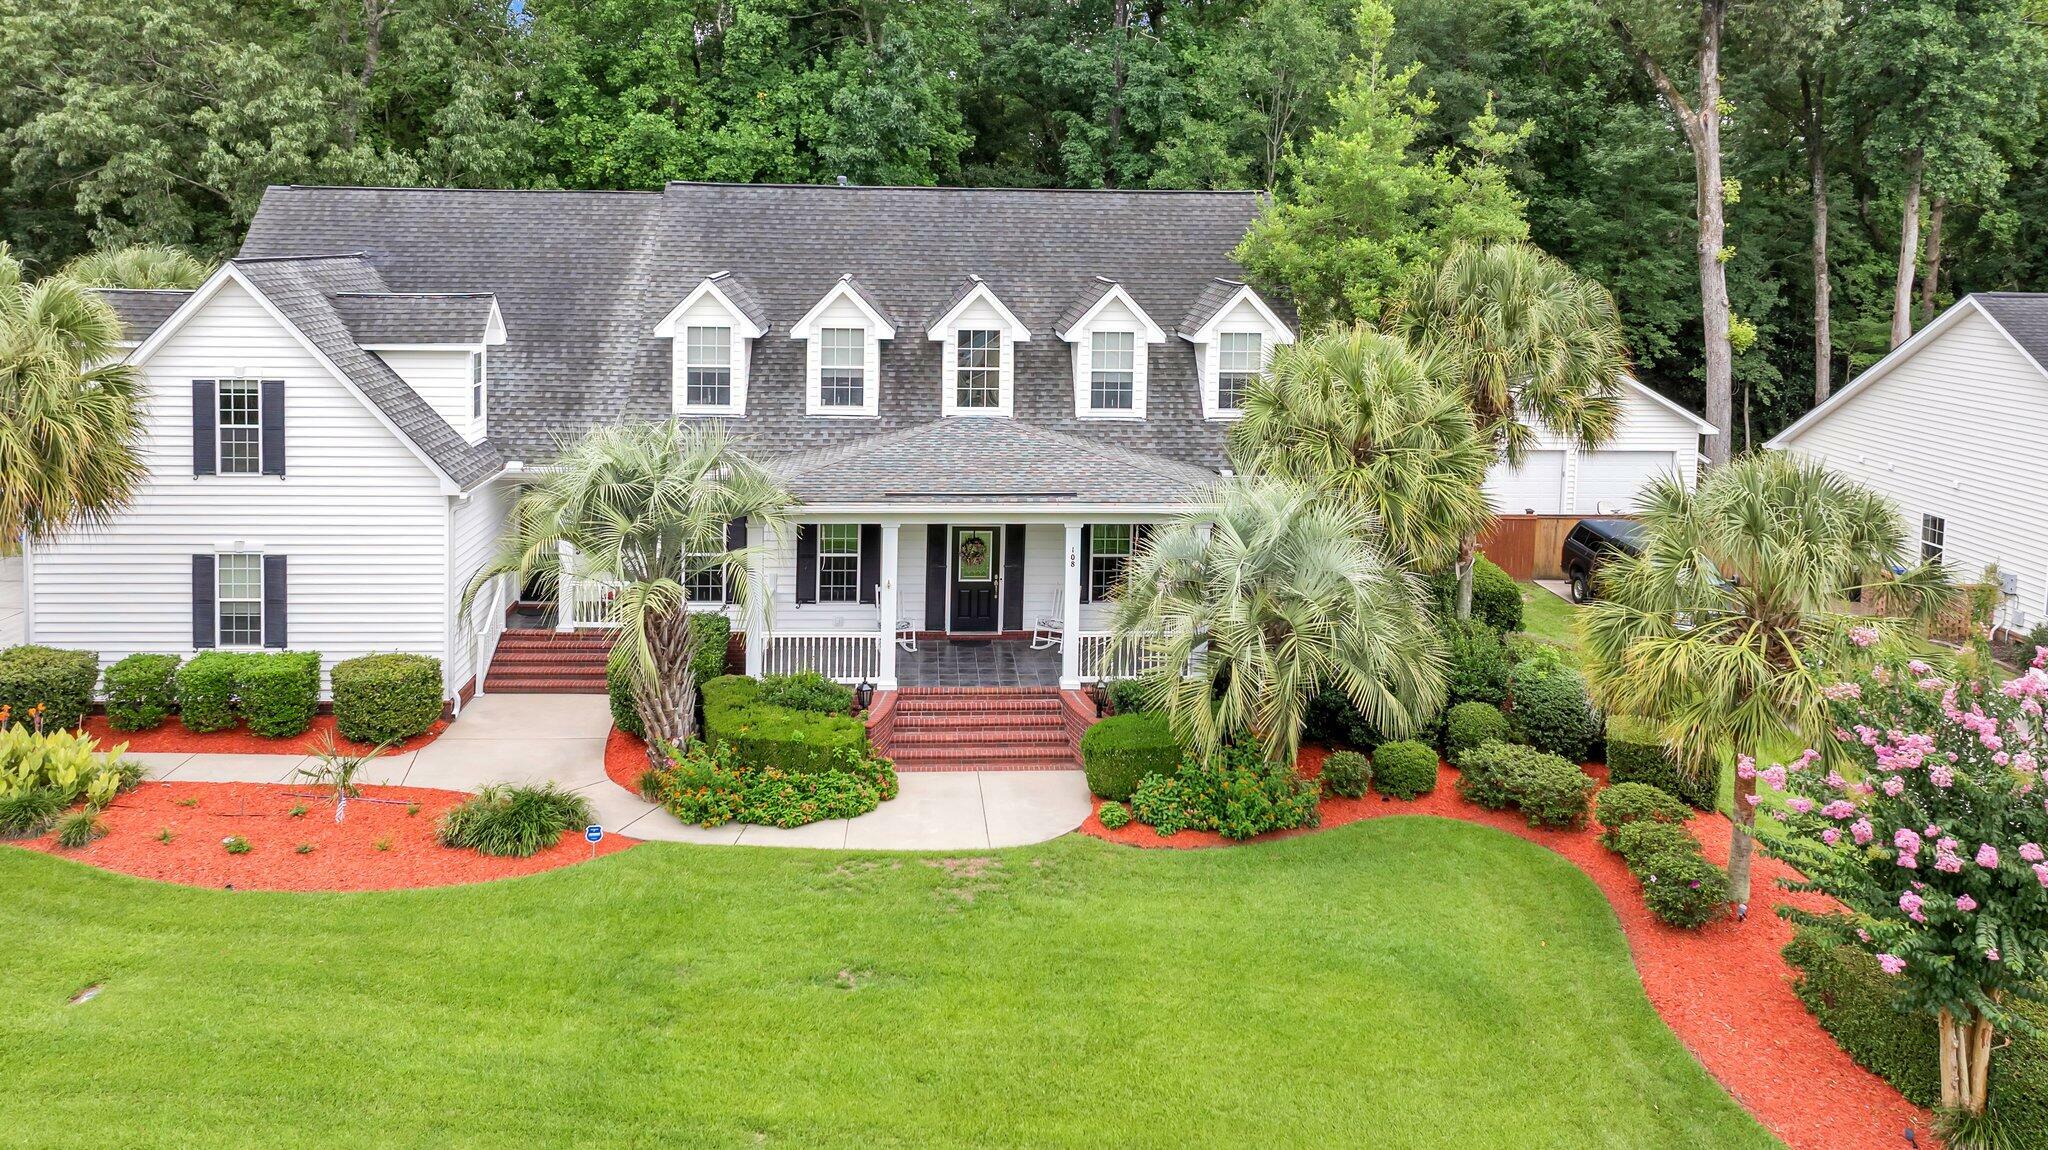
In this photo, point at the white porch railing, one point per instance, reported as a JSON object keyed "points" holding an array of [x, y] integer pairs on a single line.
{"points": [[1104, 656], [588, 602], [838, 655]]}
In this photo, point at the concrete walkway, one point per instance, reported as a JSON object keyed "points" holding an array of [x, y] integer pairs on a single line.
{"points": [[537, 738]]}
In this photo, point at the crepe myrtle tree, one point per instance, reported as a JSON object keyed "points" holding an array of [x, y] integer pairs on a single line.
{"points": [[1265, 591], [1931, 838], [645, 506]]}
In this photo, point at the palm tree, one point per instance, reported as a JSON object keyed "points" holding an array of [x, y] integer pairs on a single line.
{"points": [[1727, 627], [69, 409], [645, 504], [138, 266], [1264, 592], [1362, 414], [1536, 346]]}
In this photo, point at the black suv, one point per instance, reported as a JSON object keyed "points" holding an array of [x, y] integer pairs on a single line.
{"points": [[1591, 544]]}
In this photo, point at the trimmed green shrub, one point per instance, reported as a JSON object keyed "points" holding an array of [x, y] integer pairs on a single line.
{"points": [[206, 690], [1552, 712], [1552, 791], [512, 821], [1347, 773], [1471, 725], [141, 691], [77, 830], [1634, 755], [1332, 717], [61, 682], [386, 698], [1480, 668], [1404, 770], [1114, 816], [807, 691], [1119, 751], [714, 637], [764, 735], [618, 686], [277, 693], [1625, 803], [1644, 839], [1496, 597], [1127, 697], [1237, 794], [710, 786], [1682, 888], [30, 811]]}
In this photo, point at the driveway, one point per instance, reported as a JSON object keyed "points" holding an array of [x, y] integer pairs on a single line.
{"points": [[10, 600], [538, 738]]}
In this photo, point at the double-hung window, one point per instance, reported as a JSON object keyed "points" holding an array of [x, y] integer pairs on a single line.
{"points": [[707, 584], [842, 367], [1112, 370], [238, 600], [839, 563], [707, 366], [240, 427], [476, 385], [1238, 362], [978, 376], [1933, 537], [1109, 553]]}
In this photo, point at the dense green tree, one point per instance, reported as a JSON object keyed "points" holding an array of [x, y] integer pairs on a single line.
{"points": [[156, 266]]}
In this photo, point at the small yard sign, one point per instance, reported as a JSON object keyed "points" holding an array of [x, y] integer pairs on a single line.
{"points": [[594, 833]]}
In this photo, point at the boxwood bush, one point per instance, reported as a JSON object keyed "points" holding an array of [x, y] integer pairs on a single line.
{"points": [[277, 693], [1118, 752], [1471, 725], [1682, 888], [206, 690], [807, 691], [141, 691], [765, 735], [1625, 803], [386, 698], [1644, 839], [1127, 697], [1552, 712], [714, 636], [61, 682], [1404, 770], [1237, 794], [1347, 773], [1496, 597], [1480, 667], [1634, 755], [1552, 791]]}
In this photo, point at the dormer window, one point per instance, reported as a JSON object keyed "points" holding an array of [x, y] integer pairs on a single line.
{"points": [[1112, 370], [712, 334], [476, 386], [1112, 338], [1234, 334], [1240, 357], [843, 336], [979, 335]]}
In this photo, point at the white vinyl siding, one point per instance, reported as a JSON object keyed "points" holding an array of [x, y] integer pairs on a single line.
{"points": [[843, 316], [1558, 477], [477, 523], [363, 522], [445, 378], [1112, 352], [701, 321]]}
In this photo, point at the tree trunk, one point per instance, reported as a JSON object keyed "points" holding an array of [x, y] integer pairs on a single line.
{"points": [[1813, 93], [1933, 270], [1720, 354], [1468, 552], [1741, 842], [667, 699], [1965, 1062], [1909, 251], [1120, 16]]}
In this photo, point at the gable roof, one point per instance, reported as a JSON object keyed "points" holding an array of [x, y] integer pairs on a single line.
{"points": [[846, 287], [399, 318], [731, 294], [1099, 294], [976, 288], [142, 310], [2024, 316], [1668, 404], [582, 278], [1216, 294], [966, 460]]}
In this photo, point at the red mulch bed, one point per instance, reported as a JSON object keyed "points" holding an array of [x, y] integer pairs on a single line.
{"points": [[344, 857], [240, 740], [625, 760], [1724, 989]]}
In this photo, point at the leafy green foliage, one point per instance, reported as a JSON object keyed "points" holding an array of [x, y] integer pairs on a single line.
{"points": [[1114, 816], [1404, 770], [206, 690], [714, 635], [806, 691], [141, 692], [711, 786], [1682, 888], [1625, 803], [29, 811], [1496, 597], [386, 698], [79, 829], [1470, 726], [1128, 697], [236, 845], [1333, 718], [512, 821], [1635, 754], [1553, 713], [1480, 667], [1347, 773], [1237, 793], [61, 682], [1552, 791], [143, 267], [764, 735], [68, 766], [1118, 752], [277, 693]]}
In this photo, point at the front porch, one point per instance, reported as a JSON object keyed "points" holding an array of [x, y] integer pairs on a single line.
{"points": [[978, 663]]}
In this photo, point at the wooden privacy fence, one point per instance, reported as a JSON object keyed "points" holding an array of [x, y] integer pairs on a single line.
{"points": [[1529, 546]]}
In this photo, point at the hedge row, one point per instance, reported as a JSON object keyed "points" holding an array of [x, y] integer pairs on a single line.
{"points": [[714, 636], [1552, 791], [1118, 752], [60, 682], [1635, 755], [763, 734], [1646, 827]]}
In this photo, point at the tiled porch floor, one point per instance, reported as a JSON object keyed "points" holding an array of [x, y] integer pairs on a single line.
{"points": [[977, 663]]}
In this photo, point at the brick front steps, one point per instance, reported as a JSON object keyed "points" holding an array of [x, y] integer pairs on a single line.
{"points": [[975, 729], [549, 662]]}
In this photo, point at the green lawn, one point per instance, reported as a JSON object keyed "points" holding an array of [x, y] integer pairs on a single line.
{"points": [[1548, 617], [1407, 982]]}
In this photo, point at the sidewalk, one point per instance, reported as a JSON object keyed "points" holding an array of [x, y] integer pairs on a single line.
{"points": [[538, 738]]}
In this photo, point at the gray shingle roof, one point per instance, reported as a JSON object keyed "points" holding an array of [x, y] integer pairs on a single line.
{"points": [[142, 311], [304, 290], [736, 290], [1215, 294], [582, 278], [1091, 294], [969, 459], [2024, 316], [414, 317]]}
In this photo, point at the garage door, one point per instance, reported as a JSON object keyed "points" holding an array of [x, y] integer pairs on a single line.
{"points": [[1609, 480], [1536, 487]]}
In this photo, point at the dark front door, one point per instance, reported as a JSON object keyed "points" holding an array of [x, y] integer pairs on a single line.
{"points": [[975, 563]]}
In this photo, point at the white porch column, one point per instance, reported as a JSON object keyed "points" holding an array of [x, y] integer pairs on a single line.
{"points": [[885, 598], [565, 587], [1070, 613], [755, 621]]}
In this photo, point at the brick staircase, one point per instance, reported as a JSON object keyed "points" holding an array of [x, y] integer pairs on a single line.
{"points": [[548, 662], [975, 729]]}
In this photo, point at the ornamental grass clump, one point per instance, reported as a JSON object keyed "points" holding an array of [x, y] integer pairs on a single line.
{"points": [[1926, 819], [512, 821]]}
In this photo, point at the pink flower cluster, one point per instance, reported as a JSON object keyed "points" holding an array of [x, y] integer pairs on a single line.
{"points": [[1891, 964]]}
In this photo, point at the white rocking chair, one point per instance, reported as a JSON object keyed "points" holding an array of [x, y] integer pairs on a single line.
{"points": [[906, 635], [1050, 633]]}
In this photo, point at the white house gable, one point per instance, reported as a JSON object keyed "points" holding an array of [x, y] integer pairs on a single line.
{"points": [[1233, 348], [712, 342], [1112, 352], [978, 364]]}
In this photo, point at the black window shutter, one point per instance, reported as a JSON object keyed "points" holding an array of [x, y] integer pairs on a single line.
{"points": [[736, 534], [935, 577], [202, 602], [203, 417], [273, 601], [806, 563], [1013, 575], [272, 419], [1140, 532], [870, 562], [1087, 564]]}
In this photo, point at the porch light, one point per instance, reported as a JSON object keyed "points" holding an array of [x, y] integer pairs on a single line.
{"points": [[864, 694]]}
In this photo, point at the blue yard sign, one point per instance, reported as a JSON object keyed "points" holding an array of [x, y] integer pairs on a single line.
{"points": [[593, 833]]}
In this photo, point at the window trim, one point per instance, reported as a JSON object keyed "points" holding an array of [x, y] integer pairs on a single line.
{"points": [[1096, 552], [1215, 391], [731, 380], [864, 343], [220, 426], [1084, 380], [739, 348], [1231, 318], [479, 385], [220, 600], [1933, 538], [853, 587], [978, 309]]}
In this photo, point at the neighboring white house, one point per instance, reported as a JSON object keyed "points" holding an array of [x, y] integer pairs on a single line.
{"points": [[1952, 426], [1656, 437]]}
